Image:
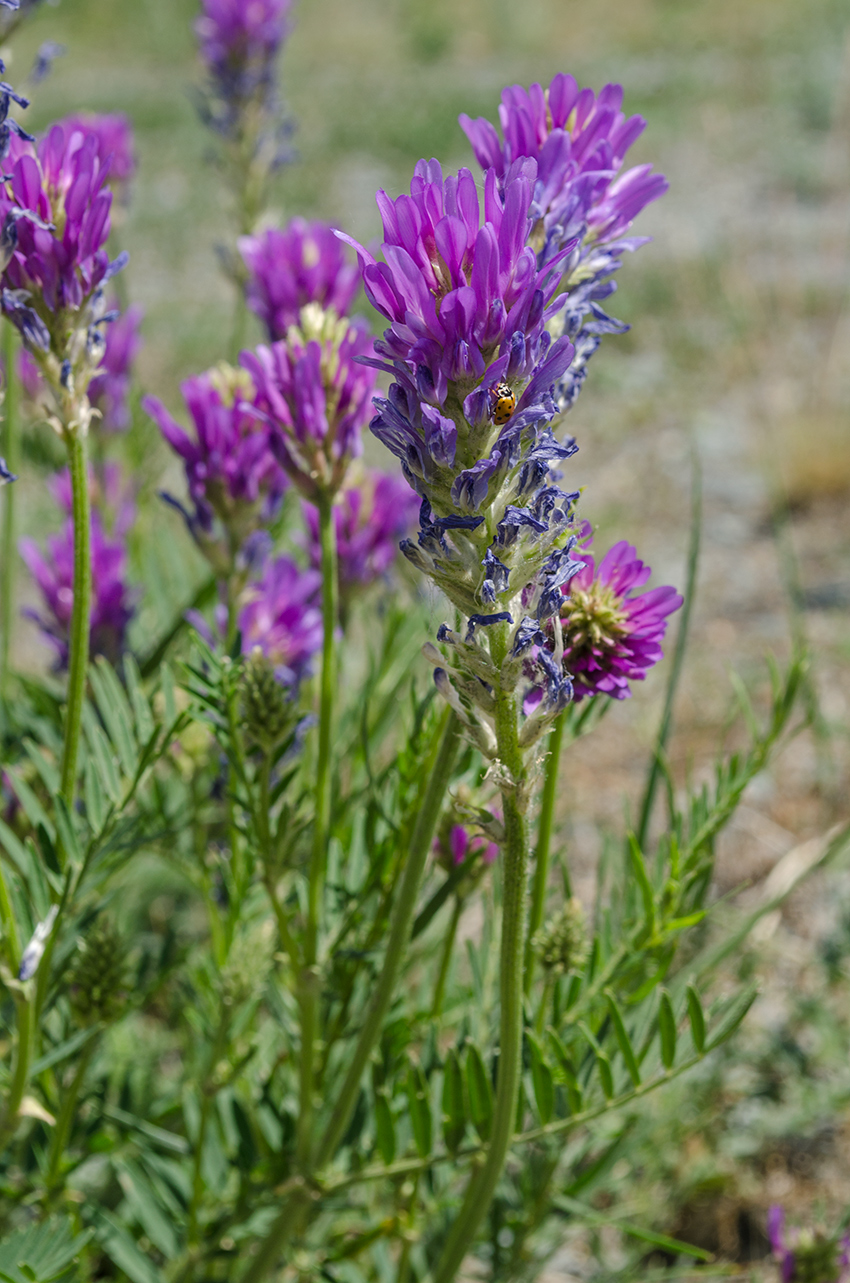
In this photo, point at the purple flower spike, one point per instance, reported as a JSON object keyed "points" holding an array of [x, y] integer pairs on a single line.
{"points": [[230, 469], [282, 617], [53, 572], [582, 201], [303, 263], [55, 213], [370, 520], [316, 396], [612, 633], [113, 134]]}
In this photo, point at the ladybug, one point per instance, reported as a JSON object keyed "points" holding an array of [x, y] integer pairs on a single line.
{"points": [[504, 403]]}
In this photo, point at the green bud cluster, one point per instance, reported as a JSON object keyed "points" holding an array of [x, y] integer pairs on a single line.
{"points": [[816, 1258], [267, 710], [561, 944], [96, 984]]}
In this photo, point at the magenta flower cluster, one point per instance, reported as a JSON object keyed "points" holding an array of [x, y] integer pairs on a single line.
{"points": [[55, 213], [113, 135], [291, 267], [231, 471], [612, 632], [53, 570], [370, 519]]}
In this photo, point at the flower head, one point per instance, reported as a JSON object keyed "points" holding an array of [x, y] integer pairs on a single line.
{"points": [[807, 1256], [316, 397], [289, 268], [370, 518], [231, 472], [581, 200], [459, 846], [113, 135], [612, 633], [281, 617]]}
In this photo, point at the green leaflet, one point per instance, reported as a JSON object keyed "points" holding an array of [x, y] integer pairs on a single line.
{"points": [[419, 1106], [480, 1091]]}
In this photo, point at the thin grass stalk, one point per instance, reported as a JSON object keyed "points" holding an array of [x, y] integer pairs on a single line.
{"points": [[665, 726], [544, 841], [76, 442]]}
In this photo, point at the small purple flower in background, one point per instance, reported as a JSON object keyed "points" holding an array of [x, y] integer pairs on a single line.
{"points": [[289, 268], [109, 492], [459, 846], [807, 1256], [281, 616], [230, 469], [108, 391], [53, 570], [611, 632], [370, 520], [581, 200], [46, 55], [239, 42], [316, 397], [113, 135], [5, 475]]}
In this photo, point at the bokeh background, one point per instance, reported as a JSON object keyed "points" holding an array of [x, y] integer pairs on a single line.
{"points": [[739, 357]]}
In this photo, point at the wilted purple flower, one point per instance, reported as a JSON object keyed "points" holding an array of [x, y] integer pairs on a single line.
{"points": [[53, 573], [5, 475], [370, 519], [34, 952], [316, 397], [230, 469], [581, 199], [239, 41], [281, 615], [303, 263], [113, 134], [55, 227], [612, 633], [109, 389]]}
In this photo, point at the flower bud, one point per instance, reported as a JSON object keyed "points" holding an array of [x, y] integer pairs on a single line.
{"points": [[98, 975], [267, 708], [561, 944]]}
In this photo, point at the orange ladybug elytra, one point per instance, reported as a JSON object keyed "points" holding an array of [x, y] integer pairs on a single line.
{"points": [[504, 403]]}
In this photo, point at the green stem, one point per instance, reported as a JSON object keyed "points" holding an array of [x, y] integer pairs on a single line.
{"points": [[446, 959], [20, 1077], [440, 768], [482, 1185], [544, 839], [80, 616], [309, 997], [66, 1115], [8, 560], [420, 844]]}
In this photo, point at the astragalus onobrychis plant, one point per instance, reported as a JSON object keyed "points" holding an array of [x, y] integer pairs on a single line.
{"points": [[242, 1040]]}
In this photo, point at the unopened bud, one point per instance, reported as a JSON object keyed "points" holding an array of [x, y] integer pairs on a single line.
{"points": [[267, 708], [561, 944], [98, 975]]}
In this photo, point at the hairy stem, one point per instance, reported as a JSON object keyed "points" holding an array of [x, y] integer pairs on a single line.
{"points": [[309, 996], [62, 1129], [482, 1185], [21, 1073], [8, 560], [544, 840], [80, 616]]}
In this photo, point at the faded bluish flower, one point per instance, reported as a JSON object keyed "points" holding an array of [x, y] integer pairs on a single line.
{"points": [[281, 617], [53, 570], [316, 396], [239, 42], [5, 475], [109, 390], [370, 519], [231, 472], [45, 56], [582, 201], [291, 267], [34, 952], [611, 631]]}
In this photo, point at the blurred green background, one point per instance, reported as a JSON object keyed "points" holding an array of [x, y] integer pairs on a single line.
{"points": [[740, 349]]}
